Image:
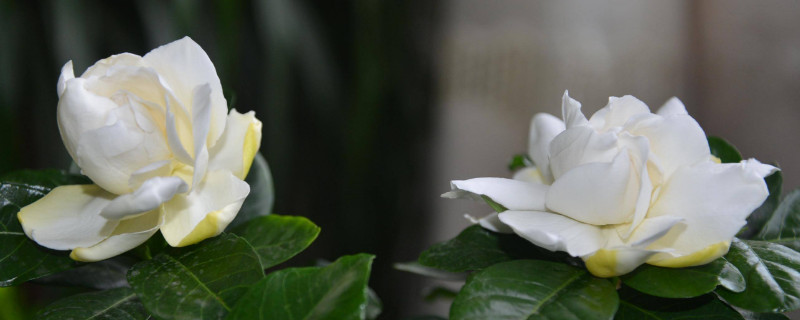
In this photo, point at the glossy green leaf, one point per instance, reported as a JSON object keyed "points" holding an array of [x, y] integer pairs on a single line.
{"points": [[634, 305], [519, 161], [760, 216], [685, 282], [783, 226], [21, 259], [531, 289], [417, 268], [337, 291], [114, 304], [476, 248], [723, 150], [106, 274], [262, 194], [278, 238], [762, 316], [772, 274], [199, 282]]}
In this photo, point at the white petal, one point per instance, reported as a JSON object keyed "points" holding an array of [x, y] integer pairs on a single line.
{"points": [[68, 217], [184, 65], [673, 106], [80, 111], [529, 174], [127, 235], [578, 146], [544, 127], [555, 232], [102, 67], [177, 141], [512, 194], [617, 112], [675, 140], [149, 196], [201, 115], [713, 199], [491, 222], [204, 212], [652, 229], [597, 193], [571, 112], [66, 74], [239, 144], [161, 168], [110, 154]]}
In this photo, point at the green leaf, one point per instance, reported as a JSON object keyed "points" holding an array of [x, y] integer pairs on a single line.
{"points": [[772, 274], [106, 274], [425, 318], [416, 268], [336, 291], [199, 282], [531, 289], [278, 238], [635, 305], [684, 282], [519, 161], [783, 226], [723, 150], [21, 259], [374, 305], [760, 216], [762, 316], [476, 248], [262, 194], [114, 304]]}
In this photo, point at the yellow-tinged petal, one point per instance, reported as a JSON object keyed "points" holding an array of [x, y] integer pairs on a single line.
{"points": [[697, 258], [205, 211], [602, 263], [68, 217], [614, 262], [252, 141], [127, 235], [238, 145]]}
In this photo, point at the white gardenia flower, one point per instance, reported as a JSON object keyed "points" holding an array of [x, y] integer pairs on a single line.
{"points": [[154, 135], [623, 188]]}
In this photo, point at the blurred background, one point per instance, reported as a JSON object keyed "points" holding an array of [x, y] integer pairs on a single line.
{"points": [[371, 107]]}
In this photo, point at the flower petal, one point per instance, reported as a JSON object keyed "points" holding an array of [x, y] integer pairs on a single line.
{"points": [[184, 65], [238, 145], [581, 145], [204, 212], [714, 200], [80, 111], [617, 112], [127, 235], [675, 140], [571, 112], [606, 263], [597, 193], [110, 154], [555, 232], [512, 194], [66, 74], [529, 174], [491, 222], [544, 127], [201, 115], [68, 217], [149, 196], [673, 106]]}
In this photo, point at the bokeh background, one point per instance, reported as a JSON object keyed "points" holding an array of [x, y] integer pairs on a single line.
{"points": [[371, 107]]}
